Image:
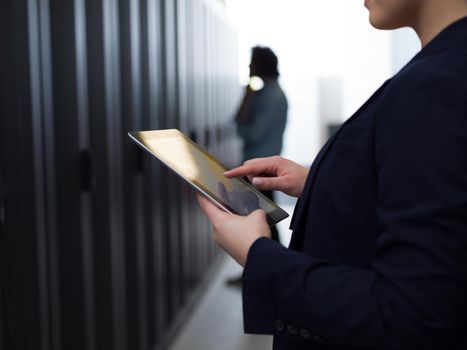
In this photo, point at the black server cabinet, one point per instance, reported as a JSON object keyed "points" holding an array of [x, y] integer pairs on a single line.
{"points": [[95, 251], [25, 224], [170, 185], [71, 241], [155, 214], [186, 196], [138, 238]]}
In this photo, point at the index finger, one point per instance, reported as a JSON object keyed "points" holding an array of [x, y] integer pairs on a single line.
{"points": [[243, 170], [253, 167]]}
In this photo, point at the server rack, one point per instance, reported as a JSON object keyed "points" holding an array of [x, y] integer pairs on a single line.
{"points": [[95, 251]]}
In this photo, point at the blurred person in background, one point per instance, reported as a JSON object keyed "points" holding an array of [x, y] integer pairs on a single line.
{"points": [[377, 258], [262, 116]]}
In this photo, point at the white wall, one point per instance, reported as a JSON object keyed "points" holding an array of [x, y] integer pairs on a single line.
{"points": [[316, 40], [404, 45]]}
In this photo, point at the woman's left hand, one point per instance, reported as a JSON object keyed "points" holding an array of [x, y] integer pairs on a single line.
{"points": [[235, 234]]}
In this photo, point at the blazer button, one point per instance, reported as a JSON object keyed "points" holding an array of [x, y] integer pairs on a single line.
{"points": [[317, 338], [279, 325], [292, 330], [305, 334]]}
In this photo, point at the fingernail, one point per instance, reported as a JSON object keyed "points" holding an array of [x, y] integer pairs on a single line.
{"points": [[257, 182]]}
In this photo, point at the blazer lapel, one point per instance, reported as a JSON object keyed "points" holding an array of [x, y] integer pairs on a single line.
{"points": [[302, 204]]}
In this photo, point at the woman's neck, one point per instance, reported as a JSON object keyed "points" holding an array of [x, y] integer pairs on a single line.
{"points": [[436, 16]]}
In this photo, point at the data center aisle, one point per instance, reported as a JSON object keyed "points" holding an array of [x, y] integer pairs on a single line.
{"points": [[217, 321]]}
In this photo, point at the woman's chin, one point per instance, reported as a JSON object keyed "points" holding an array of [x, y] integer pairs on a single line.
{"points": [[379, 23]]}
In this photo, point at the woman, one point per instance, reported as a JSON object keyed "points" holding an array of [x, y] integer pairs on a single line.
{"points": [[378, 256]]}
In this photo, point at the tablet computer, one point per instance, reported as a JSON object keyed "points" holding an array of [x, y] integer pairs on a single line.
{"points": [[205, 173]]}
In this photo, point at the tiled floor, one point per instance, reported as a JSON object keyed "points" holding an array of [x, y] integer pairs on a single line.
{"points": [[216, 322]]}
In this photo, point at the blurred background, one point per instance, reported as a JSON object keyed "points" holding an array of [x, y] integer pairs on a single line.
{"points": [[100, 246]]}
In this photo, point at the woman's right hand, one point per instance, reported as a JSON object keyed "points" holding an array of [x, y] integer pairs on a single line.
{"points": [[273, 173]]}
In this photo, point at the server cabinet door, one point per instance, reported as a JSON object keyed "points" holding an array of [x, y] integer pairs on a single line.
{"points": [[74, 178], [106, 138], [23, 238]]}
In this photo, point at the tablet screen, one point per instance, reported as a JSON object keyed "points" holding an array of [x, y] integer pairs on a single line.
{"points": [[205, 173]]}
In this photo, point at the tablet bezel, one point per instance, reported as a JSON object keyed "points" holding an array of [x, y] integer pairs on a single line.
{"points": [[140, 137]]}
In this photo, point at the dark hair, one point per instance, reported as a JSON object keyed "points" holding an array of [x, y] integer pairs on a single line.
{"points": [[265, 61]]}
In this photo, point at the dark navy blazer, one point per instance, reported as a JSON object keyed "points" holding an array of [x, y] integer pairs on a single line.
{"points": [[378, 256]]}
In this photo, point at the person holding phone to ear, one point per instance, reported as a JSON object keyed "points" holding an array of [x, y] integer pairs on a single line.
{"points": [[378, 255], [262, 116]]}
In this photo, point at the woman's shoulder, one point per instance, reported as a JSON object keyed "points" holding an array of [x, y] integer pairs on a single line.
{"points": [[445, 67], [430, 75], [426, 92]]}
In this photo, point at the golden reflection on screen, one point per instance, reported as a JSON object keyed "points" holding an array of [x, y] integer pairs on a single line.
{"points": [[189, 161], [193, 164]]}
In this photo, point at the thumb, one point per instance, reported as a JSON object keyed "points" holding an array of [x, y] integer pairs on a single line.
{"points": [[259, 214], [211, 210]]}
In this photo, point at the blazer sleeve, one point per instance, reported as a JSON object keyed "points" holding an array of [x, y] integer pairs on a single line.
{"points": [[415, 293]]}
